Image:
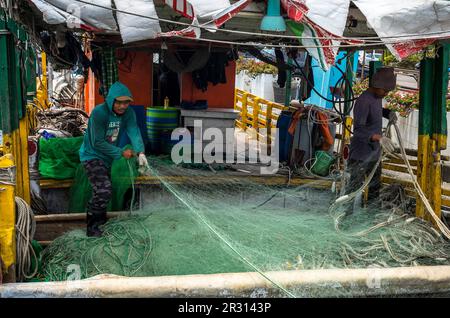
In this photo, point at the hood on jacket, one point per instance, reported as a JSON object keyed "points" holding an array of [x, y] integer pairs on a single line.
{"points": [[117, 89]]}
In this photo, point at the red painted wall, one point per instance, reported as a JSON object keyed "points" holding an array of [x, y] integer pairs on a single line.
{"points": [[219, 96], [140, 81]]}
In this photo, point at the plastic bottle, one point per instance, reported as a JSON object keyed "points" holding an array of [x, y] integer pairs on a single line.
{"points": [[166, 102]]}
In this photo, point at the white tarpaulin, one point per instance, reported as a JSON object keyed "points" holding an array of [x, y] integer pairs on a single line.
{"points": [[320, 19], [51, 14], [97, 17], [206, 9], [429, 19], [331, 15], [134, 28], [138, 19], [318, 23]]}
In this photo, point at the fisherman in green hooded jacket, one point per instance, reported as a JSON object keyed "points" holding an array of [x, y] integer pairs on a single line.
{"points": [[99, 150]]}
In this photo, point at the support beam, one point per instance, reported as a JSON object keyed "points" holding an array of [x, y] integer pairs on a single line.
{"points": [[42, 91], [349, 81], [288, 85], [440, 94], [432, 128], [20, 151], [14, 87], [7, 217], [425, 130], [5, 97], [348, 122]]}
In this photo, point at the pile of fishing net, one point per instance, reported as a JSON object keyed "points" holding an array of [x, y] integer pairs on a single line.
{"points": [[200, 221], [60, 159]]}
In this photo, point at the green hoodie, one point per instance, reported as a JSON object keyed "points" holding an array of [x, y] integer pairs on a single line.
{"points": [[101, 137]]}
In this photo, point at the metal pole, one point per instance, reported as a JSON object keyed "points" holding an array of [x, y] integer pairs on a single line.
{"points": [[287, 99]]}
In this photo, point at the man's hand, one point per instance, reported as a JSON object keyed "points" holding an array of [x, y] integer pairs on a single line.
{"points": [[143, 164], [127, 154], [376, 137]]}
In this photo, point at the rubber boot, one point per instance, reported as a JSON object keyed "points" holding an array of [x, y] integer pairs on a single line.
{"points": [[95, 218]]}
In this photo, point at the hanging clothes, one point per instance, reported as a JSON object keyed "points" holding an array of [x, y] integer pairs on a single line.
{"points": [[185, 62], [307, 84], [169, 86], [214, 70], [282, 76], [109, 70]]}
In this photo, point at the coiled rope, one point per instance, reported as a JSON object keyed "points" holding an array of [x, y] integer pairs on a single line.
{"points": [[25, 229]]}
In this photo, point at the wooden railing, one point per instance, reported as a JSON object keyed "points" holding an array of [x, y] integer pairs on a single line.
{"points": [[257, 113]]}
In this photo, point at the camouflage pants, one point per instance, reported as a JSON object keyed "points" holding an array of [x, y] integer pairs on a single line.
{"points": [[100, 179]]}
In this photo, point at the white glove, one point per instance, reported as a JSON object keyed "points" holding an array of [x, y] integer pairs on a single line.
{"points": [[143, 163]]}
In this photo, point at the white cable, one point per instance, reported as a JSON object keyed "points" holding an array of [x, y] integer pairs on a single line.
{"points": [[444, 230], [253, 44], [25, 228]]}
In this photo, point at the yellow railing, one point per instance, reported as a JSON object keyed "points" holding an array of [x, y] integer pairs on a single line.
{"points": [[257, 113]]}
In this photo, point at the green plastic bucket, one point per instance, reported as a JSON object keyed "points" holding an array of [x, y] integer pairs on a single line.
{"points": [[160, 119], [322, 163]]}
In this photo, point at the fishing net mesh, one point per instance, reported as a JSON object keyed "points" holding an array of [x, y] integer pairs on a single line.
{"points": [[59, 157], [202, 221], [123, 176]]}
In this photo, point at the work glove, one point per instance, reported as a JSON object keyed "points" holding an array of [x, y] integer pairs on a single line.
{"points": [[143, 164], [393, 117]]}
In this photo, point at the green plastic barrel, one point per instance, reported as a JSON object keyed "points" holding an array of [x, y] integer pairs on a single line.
{"points": [[322, 163], [159, 120]]}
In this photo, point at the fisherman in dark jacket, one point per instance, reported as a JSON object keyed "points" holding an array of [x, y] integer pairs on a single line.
{"points": [[365, 148]]}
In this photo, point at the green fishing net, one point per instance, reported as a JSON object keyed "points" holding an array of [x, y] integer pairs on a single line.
{"points": [[59, 157], [201, 221], [123, 174]]}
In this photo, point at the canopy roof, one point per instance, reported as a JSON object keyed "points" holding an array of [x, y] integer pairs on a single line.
{"points": [[319, 26]]}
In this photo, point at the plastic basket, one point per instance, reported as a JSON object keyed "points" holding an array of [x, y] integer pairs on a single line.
{"points": [[322, 163]]}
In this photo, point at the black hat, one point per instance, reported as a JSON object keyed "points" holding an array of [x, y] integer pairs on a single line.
{"points": [[385, 78]]}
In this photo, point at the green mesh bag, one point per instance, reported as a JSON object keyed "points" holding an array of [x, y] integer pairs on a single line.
{"points": [[123, 174], [59, 157]]}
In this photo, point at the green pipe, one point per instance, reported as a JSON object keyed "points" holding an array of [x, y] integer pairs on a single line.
{"points": [[426, 96], [440, 90], [349, 76], [5, 97]]}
